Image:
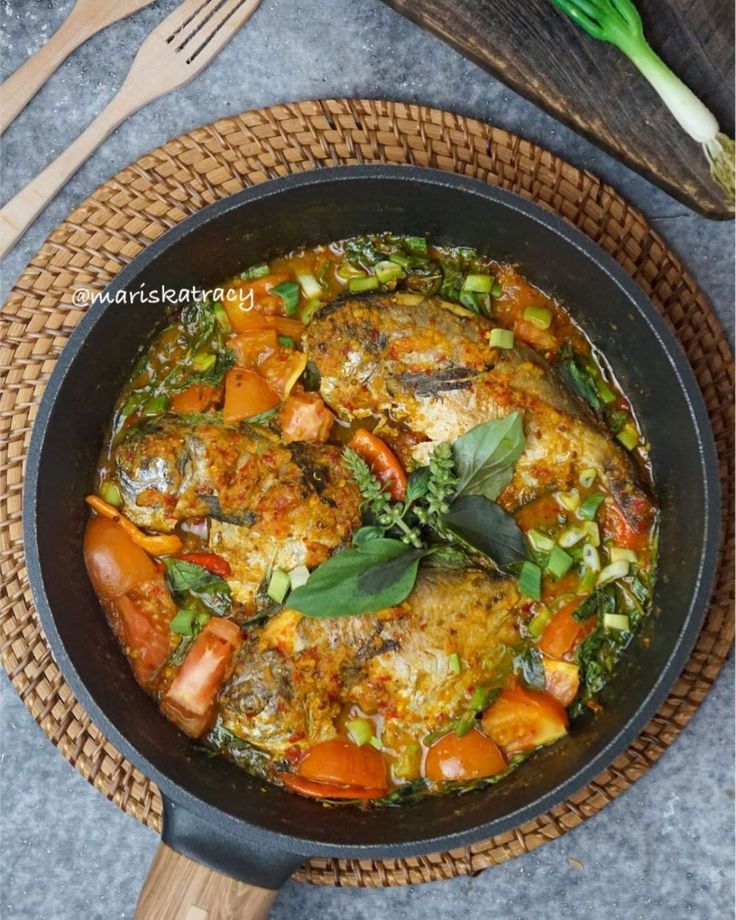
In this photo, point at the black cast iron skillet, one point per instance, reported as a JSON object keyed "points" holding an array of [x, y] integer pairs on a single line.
{"points": [[214, 812]]}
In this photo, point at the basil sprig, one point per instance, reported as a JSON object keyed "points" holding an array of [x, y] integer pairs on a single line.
{"points": [[193, 586]]}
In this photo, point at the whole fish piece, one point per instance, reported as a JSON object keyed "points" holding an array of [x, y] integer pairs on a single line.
{"points": [[268, 505], [434, 374], [295, 676]]}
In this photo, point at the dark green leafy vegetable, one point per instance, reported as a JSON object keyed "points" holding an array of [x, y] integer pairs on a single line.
{"points": [[485, 456], [530, 666], [577, 376], [189, 582], [484, 526], [602, 600]]}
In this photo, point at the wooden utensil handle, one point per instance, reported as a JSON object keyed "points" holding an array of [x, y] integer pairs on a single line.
{"points": [[21, 86], [178, 888], [21, 210]]}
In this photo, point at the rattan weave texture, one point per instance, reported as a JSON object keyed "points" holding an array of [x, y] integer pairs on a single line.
{"points": [[159, 190]]}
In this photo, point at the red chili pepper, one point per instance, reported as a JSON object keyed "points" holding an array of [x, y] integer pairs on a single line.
{"points": [[210, 561]]}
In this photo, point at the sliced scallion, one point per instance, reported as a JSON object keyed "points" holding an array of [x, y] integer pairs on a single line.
{"points": [[613, 572], [455, 663], [288, 291], [417, 245], [619, 554], [591, 558], [605, 392], [587, 582], [501, 338], [156, 406], [309, 309], [110, 492], [539, 541], [183, 622], [570, 501], [368, 283], [388, 271], [570, 536], [540, 317], [400, 259], [530, 580], [299, 576], [278, 586], [539, 623], [286, 341], [629, 436], [618, 621], [587, 477], [559, 562], [592, 533], [309, 285], [376, 743], [589, 508], [255, 271], [360, 730], [478, 284], [203, 361], [223, 320]]}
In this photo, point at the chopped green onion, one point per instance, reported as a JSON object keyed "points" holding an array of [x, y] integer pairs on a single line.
{"points": [[539, 623], [299, 576], [417, 245], [388, 271], [570, 536], [111, 493], [559, 562], [540, 317], [605, 392], [223, 320], [613, 572], [591, 558], [183, 622], [617, 621], [587, 582], [455, 663], [480, 697], [375, 742], [360, 730], [309, 309], [346, 270], [587, 477], [539, 541], [369, 283], [592, 532], [255, 271], [286, 341], [570, 501], [530, 580], [478, 284], [618, 554], [309, 285], [399, 259], [501, 338], [496, 289], [288, 291], [476, 303], [589, 508], [278, 586], [156, 406], [203, 361], [629, 436]]}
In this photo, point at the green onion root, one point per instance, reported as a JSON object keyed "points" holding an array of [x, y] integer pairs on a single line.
{"points": [[720, 152]]}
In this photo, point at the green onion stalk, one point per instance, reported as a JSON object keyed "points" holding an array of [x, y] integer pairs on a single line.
{"points": [[618, 22]]}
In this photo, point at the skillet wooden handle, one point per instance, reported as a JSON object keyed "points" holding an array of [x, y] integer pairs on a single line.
{"points": [[178, 888]]}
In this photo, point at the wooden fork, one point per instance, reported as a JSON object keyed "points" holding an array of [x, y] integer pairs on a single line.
{"points": [[172, 55], [86, 19]]}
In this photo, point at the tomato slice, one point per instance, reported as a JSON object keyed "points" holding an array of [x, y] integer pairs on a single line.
{"points": [[253, 347], [326, 790], [144, 615], [115, 564], [342, 763], [283, 369], [305, 417], [470, 756], [538, 338], [210, 561], [522, 719], [247, 395], [563, 633], [623, 534], [198, 398], [562, 680], [191, 698], [383, 461]]}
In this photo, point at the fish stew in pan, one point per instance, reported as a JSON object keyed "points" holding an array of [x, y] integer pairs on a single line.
{"points": [[376, 523]]}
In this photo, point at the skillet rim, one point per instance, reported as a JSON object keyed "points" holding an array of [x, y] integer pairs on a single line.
{"points": [[669, 350]]}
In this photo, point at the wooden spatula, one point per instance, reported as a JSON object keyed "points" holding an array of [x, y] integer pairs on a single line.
{"points": [[86, 19], [172, 55]]}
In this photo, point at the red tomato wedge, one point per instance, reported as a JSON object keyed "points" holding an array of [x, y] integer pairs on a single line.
{"points": [[115, 564], [382, 460], [305, 417], [563, 633], [623, 534], [283, 369], [522, 719], [247, 395], [191, 698], [144, 615], [339, 762], [562, 680], [198, 398], [210, 561], [327, 791], [469, 756], [250, 348]]}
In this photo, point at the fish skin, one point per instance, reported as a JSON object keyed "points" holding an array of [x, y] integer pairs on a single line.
{"points": [[268, 504], [433, 374], [292, 676]]}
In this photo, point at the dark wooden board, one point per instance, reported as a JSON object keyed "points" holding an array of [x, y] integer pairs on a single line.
{"points": [[592, 87]]}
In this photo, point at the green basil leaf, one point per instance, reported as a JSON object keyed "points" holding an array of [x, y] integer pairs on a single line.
{"points": [[185, 576], [388, 575], [486, 527], [187, 580], [601, 601], [531, 667], [485, 456], [417, 484]]}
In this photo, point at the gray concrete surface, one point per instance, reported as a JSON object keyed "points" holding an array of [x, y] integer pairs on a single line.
{"points": [[662, 851]]}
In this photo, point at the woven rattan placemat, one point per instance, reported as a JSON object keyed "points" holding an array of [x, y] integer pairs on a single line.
{"points": [[162, 188]]}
